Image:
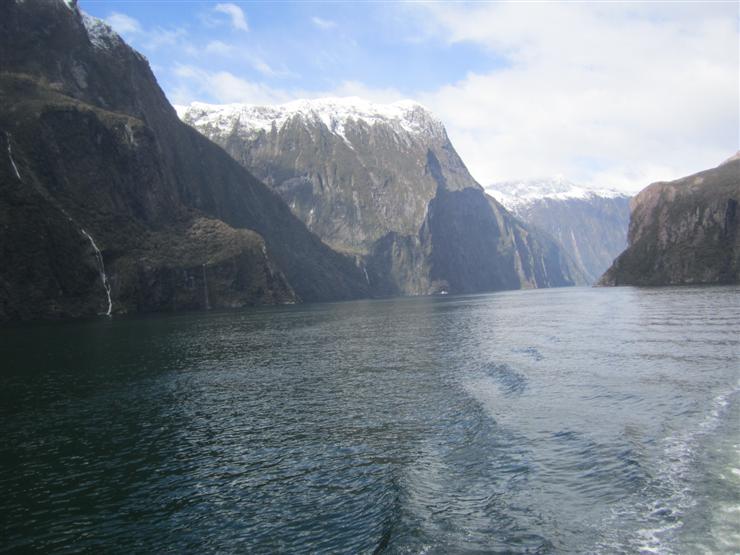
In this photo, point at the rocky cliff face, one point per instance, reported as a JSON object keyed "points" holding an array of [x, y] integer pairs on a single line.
{"points": [[109, 203], [684, 232], [590, 225], [384, 183]]}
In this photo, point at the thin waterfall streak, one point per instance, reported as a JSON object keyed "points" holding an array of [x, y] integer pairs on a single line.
{"points": [[101, 268], [12, 162], [98, 258]]}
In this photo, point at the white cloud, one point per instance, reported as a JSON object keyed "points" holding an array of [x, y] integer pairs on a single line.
{"points": [[147, 38], [356, 88], [159, 37], [223, 87], [606, 94], [123, 24], [238, 19], [264, 68], [196, 83], [219, 48], [324, 24]]}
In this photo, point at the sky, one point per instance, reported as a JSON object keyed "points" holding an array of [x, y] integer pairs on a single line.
{"points": [[606, 94]]}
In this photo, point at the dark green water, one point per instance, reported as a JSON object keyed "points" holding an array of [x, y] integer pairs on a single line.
{"points": [[550, 421]]}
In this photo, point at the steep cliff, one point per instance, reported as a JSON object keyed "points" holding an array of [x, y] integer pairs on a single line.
{"points": [[109, 203], [384, 183], [684, 231], [590, 224]]}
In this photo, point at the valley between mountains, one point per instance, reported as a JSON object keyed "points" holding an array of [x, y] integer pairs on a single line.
{"points": [[112, 202]]}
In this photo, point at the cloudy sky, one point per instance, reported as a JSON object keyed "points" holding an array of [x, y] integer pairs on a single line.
{"points": [[607, 94]]}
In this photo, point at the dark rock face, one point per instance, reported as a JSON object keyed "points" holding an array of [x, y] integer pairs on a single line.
{"points": [[593, 229], [591, 225], [499, 252], [683, 232], [98, 175], [384, 183]]}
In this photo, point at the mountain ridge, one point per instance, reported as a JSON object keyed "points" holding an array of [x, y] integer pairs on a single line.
{"points": [[513, 194], [591, 224], [376, 181], [96, 146], [333, 112], [684, 231]]}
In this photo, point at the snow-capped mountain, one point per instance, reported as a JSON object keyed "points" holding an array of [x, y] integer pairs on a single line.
{"points": [[384, 183], [336, 113], [514, 194], [110, 204], [349, 168], [591, 224]]}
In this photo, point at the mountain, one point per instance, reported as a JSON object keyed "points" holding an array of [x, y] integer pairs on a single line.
{"points": [[383, 183], [590, 224], [684, 231], [109, 203]]}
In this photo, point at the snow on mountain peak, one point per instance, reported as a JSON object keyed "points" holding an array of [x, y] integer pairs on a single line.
{"points": [[515, 194], [101, 34], [333, 112]]}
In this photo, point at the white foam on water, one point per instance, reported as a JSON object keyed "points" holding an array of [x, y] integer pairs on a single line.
{"points": [[681, 452], [675, 481], [725, 516], [484, 390], [495, 392]]}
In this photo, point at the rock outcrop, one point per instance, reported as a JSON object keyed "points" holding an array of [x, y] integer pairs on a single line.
{"points": [[684, 232], [106, 194], [384, 184]]}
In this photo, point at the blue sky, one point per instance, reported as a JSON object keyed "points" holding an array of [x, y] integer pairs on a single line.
{"points": [[607, 94], [311, 46]]}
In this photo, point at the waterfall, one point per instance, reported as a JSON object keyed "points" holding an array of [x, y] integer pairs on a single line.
{"points": [[98, 254], [361, 265], [10, 155], [206, 301], [101, 267], [98, 258]]}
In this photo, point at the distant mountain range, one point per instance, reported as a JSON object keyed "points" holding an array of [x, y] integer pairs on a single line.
{"points": [[685, 231], [111, 204], [384, 184], [514, 194], [590, 224]]}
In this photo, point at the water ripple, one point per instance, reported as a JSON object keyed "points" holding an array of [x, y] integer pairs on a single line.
{"points": [[561, 421]]}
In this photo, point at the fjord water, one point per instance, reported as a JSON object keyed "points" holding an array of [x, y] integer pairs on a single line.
{"points": [[549, 421]]}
